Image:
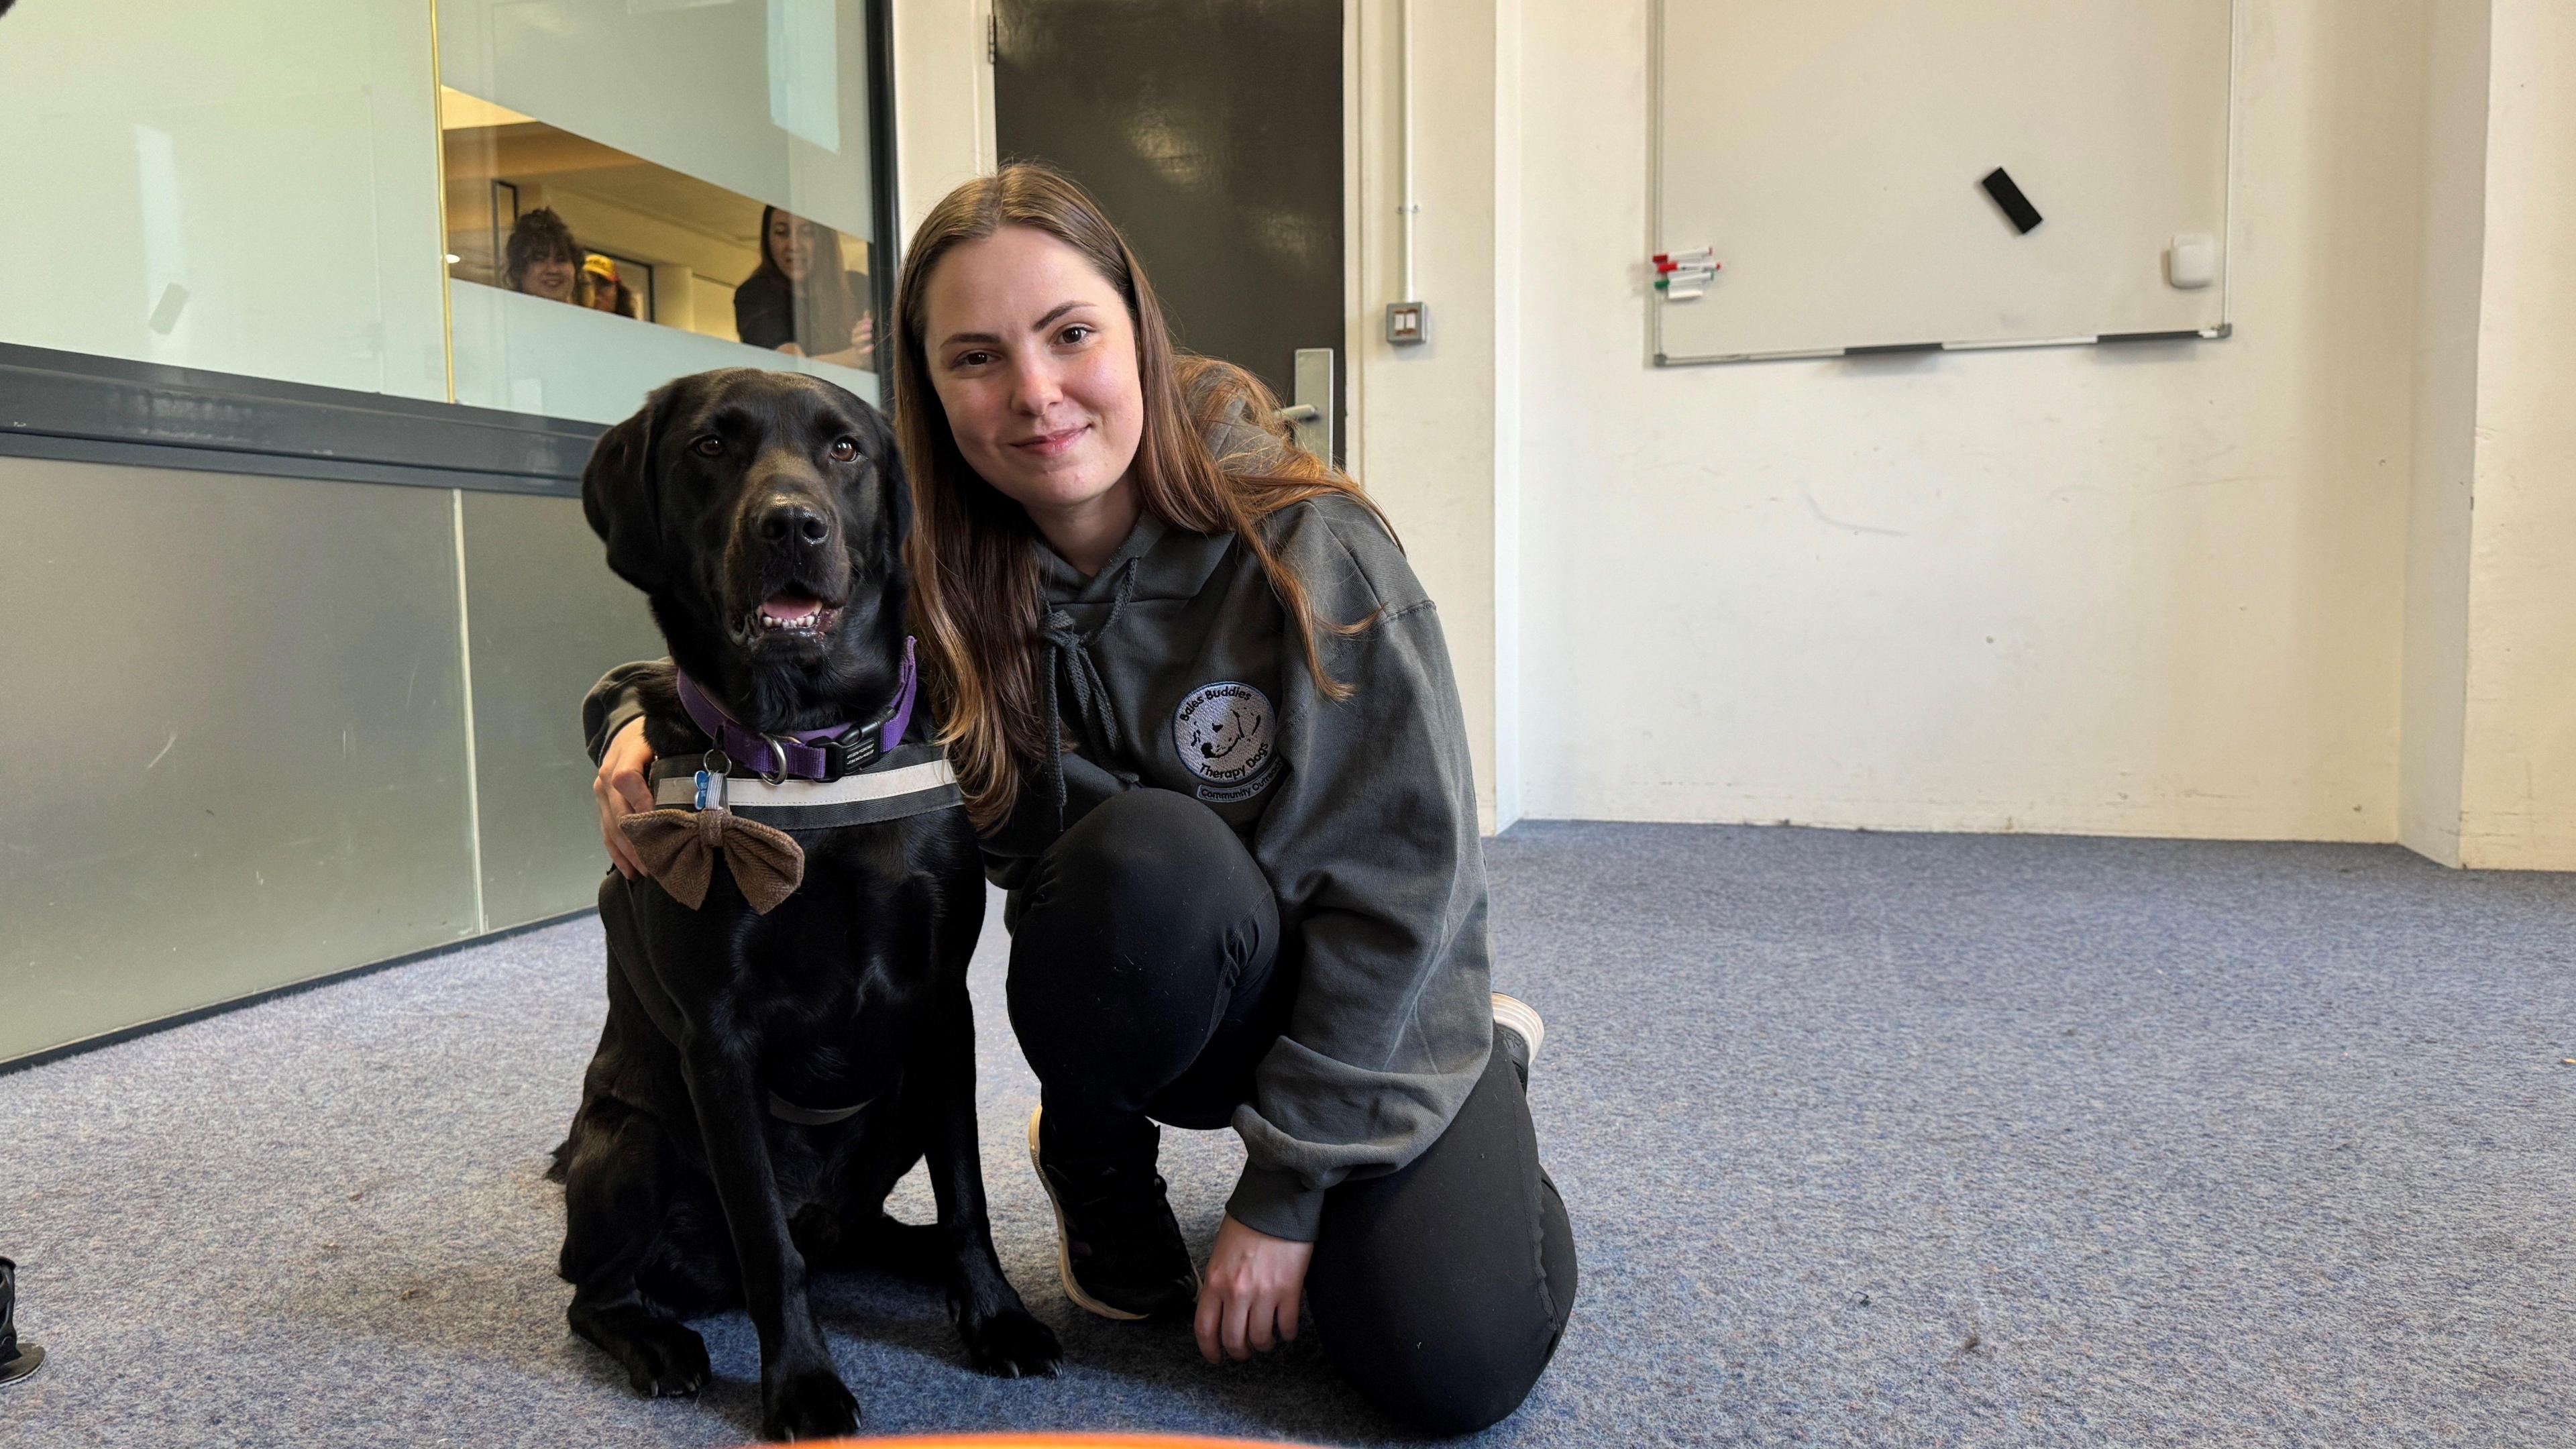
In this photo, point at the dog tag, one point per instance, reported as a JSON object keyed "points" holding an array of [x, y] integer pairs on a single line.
{"points": [[711, 780]]}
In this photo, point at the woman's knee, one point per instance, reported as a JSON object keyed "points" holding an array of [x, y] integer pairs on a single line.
{"points": [[1452, 1377], [1447, 1342], [1441, 1290], [1136, 912], [1144, 875], [1143, 854]]}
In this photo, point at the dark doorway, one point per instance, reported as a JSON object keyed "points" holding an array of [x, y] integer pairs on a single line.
{"points": [[1211, 131]]}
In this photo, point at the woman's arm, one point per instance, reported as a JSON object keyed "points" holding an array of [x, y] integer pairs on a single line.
{"points": [[1372, 847], [861, 353], [612, 722], [1370, 840]]}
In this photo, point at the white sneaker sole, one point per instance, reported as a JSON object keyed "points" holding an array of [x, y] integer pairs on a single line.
{"points": [[1523, 1018], [1064, 1239]]}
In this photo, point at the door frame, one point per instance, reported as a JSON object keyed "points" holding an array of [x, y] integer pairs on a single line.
{"points": [[1357, 236]]}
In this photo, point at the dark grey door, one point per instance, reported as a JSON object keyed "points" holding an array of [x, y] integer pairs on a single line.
{"points": [[1211, 131]]}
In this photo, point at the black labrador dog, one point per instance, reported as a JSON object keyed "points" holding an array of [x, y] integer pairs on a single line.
{"points": [[764, 515]]}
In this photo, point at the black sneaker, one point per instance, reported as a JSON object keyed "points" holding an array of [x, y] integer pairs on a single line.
{"points": [[17, 1360], [1117, 1245]]}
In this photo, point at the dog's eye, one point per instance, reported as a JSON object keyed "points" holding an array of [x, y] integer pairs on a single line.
{"points": [[845, 450], [709, 446]]}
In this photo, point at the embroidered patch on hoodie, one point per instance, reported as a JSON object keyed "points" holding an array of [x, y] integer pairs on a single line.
{"points": [[1225, 735]]}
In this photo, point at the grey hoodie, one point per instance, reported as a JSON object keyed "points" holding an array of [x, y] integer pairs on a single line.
{"points": [[1175, 667]]}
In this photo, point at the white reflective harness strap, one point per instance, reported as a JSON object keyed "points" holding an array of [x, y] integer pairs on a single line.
{"points": [[904, 787]]}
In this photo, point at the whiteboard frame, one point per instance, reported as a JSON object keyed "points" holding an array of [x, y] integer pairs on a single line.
{"points": [[1655, 302]]}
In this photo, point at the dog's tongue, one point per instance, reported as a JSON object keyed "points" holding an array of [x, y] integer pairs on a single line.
{"points": [[791, 606]]}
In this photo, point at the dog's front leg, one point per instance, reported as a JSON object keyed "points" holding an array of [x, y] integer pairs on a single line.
{"points": [[800, 1396], [1001, 1335]]}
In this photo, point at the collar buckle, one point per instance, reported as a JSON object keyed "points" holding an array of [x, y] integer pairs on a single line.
{"points": [[852, 752]]}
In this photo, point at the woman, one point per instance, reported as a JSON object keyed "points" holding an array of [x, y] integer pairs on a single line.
{"points": [[1204, 717], [603, 291], [541, 258], [800, 300]]}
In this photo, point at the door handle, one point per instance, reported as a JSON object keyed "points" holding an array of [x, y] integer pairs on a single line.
{"points": [[1311, 413]]}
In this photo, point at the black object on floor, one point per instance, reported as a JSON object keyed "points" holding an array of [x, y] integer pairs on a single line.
{"points": [[17, 1360]]}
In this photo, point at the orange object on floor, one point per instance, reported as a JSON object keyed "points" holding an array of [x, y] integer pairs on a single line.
{"points": [[1048, 1439]]}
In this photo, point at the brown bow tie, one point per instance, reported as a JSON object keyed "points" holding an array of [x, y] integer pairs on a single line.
{"points": [[680, 847]]}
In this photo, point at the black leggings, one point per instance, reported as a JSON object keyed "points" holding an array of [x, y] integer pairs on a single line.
{"points": [[1148, 979]]}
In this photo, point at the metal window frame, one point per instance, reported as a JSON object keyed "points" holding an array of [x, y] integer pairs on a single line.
{"points": [[885, 261], [88, 408]]}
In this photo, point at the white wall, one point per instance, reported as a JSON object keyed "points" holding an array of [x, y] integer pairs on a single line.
{"points": [[1425, 417], [943, 98], [2155, 589], [2224, 589], [2518, 773], [2451, 250]]}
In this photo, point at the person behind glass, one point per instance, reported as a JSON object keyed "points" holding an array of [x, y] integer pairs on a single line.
{"points": [[602, 291], [1205, 721], [541, 258], [801, 300]]}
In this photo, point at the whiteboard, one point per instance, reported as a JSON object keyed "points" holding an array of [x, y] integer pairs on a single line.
{"points": [[1830, 152]]}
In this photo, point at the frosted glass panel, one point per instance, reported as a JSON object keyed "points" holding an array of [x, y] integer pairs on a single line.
{"points": [[767, 98], [528, 355], [247, 187]]}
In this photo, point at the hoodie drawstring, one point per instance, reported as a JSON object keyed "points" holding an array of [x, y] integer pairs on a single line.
{"points": [[1072, 672]]}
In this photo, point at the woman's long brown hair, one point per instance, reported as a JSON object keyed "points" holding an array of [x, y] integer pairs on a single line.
{"points": [[973, 552]]}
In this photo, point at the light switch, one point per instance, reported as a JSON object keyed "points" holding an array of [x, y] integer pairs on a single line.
{"points": [[1407, 323]]}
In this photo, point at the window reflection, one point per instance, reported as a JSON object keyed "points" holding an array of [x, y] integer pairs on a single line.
{"points": [[541, 214], [801, 298], [535, 209]]}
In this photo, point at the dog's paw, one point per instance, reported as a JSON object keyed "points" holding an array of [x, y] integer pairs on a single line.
{"points": [[810, 1405], [1012, 1345], [665, 1361]]}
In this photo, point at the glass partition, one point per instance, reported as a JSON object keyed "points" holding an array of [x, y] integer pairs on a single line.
{"points": [[621, 191], [695, 177], [249, 187]]}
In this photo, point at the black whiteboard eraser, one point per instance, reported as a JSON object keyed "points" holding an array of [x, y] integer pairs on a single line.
{"points": [[2017, 207]]}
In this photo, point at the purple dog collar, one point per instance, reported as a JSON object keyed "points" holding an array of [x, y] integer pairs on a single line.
{"points": [[820, 755]]}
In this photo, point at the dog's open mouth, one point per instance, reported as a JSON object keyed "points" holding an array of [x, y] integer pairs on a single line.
{"points": [[789, 614]]}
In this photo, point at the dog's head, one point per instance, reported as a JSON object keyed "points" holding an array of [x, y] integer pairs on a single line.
{"points": [[764, 515]]}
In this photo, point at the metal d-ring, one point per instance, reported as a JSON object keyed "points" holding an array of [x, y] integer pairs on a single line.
{"points": [[778, 754]]}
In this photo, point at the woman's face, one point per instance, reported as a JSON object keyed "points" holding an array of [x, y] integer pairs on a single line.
{"points": [[791, 241], [550, 278], [1034, 359]]}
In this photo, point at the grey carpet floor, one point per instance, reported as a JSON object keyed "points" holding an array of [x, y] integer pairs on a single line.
{"points": [[1869, 1139]]}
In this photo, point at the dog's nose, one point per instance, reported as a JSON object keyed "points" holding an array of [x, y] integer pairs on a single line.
{"points": [[785, 519]]}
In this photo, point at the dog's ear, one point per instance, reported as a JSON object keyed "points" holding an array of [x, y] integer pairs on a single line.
{"points": [[621, 497]]}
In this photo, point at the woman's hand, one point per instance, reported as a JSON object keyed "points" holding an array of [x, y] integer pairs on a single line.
{"points": [[1253, 1281], [863, 333], [791, 349], [622, 792]]}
